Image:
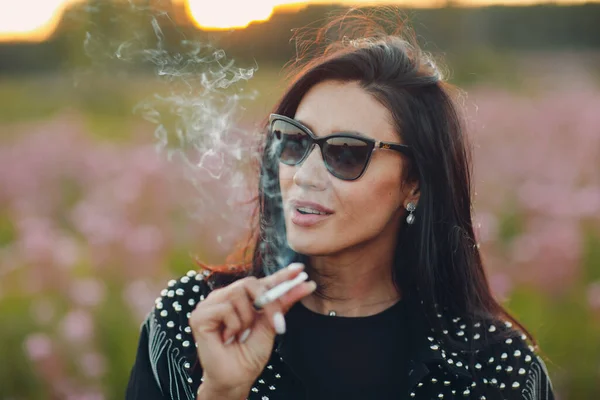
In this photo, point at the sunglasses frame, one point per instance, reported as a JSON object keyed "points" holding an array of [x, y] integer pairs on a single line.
{"points": [[320, 141]]}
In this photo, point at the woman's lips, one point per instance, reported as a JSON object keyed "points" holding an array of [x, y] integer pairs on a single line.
{"points": [[297, 203], [306, 220]]}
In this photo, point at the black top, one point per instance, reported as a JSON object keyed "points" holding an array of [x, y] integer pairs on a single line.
{"points": [[348, 357]]}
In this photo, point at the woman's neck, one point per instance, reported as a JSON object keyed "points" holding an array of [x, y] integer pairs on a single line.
{"points": [[352, 288]]}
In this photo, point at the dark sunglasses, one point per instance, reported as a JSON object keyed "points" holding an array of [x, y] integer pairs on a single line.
{"points": [[346, 156]]}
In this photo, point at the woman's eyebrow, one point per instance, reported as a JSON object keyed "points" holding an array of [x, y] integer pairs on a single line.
{"points": [[340, 131]]}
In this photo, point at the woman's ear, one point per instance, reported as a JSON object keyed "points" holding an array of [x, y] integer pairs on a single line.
{"points": [[412, 194]]}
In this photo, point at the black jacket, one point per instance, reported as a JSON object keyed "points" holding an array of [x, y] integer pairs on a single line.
{"points": [[507, 367]]}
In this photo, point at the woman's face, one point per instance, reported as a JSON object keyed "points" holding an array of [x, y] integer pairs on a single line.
{"points": [[362, 211]]}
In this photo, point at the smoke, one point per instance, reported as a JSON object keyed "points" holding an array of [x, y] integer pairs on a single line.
{"points": [[195, 109]]}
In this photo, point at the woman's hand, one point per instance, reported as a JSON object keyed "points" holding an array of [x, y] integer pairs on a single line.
{"points": [[234, 340]]}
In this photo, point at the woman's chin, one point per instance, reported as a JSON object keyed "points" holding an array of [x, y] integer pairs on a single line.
{"points": [[309, 246], [311, 240]]}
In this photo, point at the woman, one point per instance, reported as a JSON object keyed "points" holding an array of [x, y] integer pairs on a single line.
{"points": [[365, 185]]}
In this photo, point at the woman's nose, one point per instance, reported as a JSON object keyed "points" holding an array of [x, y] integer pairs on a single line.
{"points": [[312, 172]]}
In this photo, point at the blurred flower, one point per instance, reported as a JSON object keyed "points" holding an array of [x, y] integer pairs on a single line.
{"points": [[128, 188], [144, 240], [140, 297], [35, 237], [587, 201], [524, 248], [501, 286], [486, 226], [548, 254], [65, 252], [93, 364], [77, 326], [87, 292], [146, 161], [38, 346], [101, 227], [593, 295]]}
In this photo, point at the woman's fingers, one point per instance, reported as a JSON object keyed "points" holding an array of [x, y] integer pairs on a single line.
{"points": [[239, 296], [229, 292], [271, 311], [243, 306], [286, 301], [248, 292], [285, 274], [231, 308], [214, 317], [232, 324], [275, 310]]}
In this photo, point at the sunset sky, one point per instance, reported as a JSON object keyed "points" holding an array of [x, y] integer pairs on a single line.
{"points": [[36, 20]]}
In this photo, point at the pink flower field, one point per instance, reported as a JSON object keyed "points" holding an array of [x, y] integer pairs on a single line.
{"points": [[91, 229]]}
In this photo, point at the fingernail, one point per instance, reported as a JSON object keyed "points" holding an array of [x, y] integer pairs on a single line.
{"points": [[279, 323], [230, 340], [295, 266], [302, 276], [312, 285], [244, 335]]}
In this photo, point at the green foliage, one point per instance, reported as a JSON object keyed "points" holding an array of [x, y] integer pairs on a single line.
{"points": [[7, 230], [591, 255], [510, 225], [23, 100], [484, 66], [18, 377], [567, 332], [117, 336]]}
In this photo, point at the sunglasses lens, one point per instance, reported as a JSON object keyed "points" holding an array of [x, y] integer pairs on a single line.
{"points": [[293, 142], [346, 158]]}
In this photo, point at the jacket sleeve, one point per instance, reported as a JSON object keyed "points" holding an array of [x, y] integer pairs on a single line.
{"points": [[537, 384], [142, 382], [166, 365]]}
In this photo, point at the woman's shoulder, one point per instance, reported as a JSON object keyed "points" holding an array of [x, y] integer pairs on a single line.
{"points": [[178, 299], [173, 307], [500, 356]]}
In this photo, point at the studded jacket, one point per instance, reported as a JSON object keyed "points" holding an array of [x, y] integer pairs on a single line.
{"points": [[166, 365]]}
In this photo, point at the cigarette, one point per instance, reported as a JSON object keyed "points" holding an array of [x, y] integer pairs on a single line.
{"points": [[273, 294]]}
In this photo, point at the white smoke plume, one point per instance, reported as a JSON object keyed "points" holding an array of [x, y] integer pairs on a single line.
{"points": [[195, 109]]}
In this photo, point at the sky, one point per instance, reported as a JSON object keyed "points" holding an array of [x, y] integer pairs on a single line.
{"points": [[36, 20]]}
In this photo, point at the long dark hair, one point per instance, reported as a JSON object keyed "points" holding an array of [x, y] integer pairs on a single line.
{"points": [[437, 258]]}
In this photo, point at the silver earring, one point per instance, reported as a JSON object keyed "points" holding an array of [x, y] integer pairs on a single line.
{"points": [[410, 218]]}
